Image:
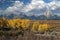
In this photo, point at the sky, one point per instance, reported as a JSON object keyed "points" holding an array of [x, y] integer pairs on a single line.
{"points": [[29, 6]]}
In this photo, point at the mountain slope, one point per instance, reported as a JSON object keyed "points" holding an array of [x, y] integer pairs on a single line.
{"points": [[32, 17]]}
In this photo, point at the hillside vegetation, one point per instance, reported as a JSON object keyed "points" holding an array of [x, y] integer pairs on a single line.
{"points": [[24, 24], [28, 28]]}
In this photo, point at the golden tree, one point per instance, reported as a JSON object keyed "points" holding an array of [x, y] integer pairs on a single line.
{"points": [[35, 26], [4, 22], [25, 23], [43, 27]]}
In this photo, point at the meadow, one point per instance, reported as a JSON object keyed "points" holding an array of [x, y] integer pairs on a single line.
{"points": [[25, 29]]}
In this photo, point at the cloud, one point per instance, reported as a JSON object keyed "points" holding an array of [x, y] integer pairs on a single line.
{"points": [[40, 4], [1, 11], [16, 8], [35, 4], [34, 7], [54, 5]]}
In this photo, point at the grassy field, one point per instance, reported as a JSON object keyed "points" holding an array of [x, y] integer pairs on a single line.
{"points": [[24, 29]]}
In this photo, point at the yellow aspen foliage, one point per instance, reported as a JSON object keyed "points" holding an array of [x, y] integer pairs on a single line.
{"points": [[4, 22], [25, 24], [14, 23], [17, 23], [1, 23], [40, 27], [11, 23], [35, 26], [43, 27]]}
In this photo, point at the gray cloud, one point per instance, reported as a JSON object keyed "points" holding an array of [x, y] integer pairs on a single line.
{"points": [[36, 6]]}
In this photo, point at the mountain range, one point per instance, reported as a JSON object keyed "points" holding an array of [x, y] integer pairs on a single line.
{"points": [[31, 17]]}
